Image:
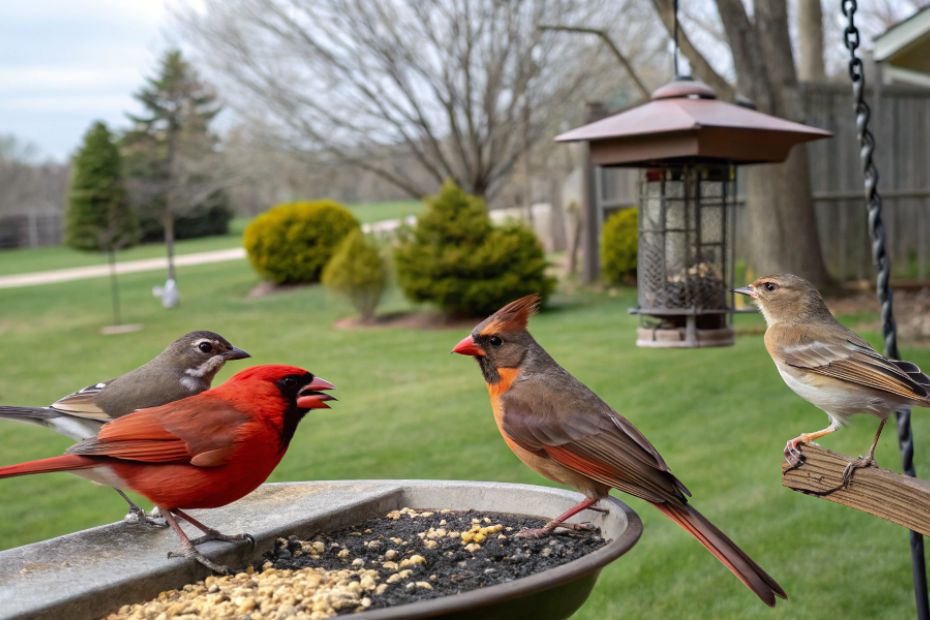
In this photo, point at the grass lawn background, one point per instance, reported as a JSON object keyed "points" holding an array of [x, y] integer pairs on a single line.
{"points": [[409, 409]]}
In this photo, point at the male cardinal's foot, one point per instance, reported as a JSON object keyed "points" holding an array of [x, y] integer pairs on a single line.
{"points": [[193, 554], [215, 535], [860, 463], [140, 518], [137, 516], [211, 534]]}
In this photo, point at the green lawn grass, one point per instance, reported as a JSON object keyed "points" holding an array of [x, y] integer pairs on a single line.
{"points": [[386, 210], [61, 257], [409, 409]]}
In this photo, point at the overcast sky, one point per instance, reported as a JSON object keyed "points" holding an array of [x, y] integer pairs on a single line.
{"points": [[66, 63]]}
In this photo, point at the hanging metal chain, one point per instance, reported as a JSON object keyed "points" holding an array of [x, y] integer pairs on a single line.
{"points": [[883, 285]]}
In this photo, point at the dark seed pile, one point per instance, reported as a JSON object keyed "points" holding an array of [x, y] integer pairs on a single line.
{"points": [[406, 556], [412, 555]]}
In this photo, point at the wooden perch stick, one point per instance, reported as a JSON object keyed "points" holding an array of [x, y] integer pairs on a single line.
{"points": [[879, 492]]}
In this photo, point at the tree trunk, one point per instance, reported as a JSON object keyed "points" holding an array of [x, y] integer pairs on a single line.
{"points": [[782, 225], [114, 285], [169, 242], [810, 41], [779, 206]]}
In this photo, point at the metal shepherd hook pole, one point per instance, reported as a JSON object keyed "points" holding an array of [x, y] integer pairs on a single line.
{"points": [[883, 266]]}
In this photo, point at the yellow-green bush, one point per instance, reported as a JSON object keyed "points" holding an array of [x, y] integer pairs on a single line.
{"points": [[619, 240], [357, 271], [457, 259], [292, 242]]}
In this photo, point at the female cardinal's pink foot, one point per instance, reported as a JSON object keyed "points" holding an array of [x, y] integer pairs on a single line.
{"points": [[549, 528]]}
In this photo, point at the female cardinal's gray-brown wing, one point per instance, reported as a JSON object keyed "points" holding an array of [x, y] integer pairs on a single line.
{"points": [[568, 423], [847, 357]]}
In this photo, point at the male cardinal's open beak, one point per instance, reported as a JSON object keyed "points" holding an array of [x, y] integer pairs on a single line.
{"points": [[468, 346], [236, 353], [746, 290], [311, 396]]}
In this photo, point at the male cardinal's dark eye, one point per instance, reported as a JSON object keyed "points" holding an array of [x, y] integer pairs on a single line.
{"points": [[289, 381], [495, 341], [206, 347], [770, 286]]}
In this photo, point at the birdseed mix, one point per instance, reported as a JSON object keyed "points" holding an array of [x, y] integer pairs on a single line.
{"points": [[405, 556]]}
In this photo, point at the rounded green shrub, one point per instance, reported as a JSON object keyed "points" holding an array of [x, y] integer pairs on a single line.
{"points": [[292, 242], [357, 271], [619, 240], [457, 259]]}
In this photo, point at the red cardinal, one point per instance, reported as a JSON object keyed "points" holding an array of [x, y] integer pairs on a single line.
{"points": [[203, 451], [562, 430]]}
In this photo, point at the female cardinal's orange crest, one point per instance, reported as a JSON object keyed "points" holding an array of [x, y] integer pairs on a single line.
{"points": [[513, 317]]}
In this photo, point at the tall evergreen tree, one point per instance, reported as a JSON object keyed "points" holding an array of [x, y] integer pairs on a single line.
{"points": [[99, 216], [171, 156]]}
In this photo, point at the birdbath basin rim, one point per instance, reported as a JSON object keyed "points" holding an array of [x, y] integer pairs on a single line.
{"points": [[91, 573]]}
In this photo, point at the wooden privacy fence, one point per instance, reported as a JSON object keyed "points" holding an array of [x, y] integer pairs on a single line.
{"points": [[901, 124]]}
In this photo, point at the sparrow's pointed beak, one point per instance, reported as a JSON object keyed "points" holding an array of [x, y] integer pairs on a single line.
{"points": [[312, 397], [236, 353], [468, 346], [746, 290]]}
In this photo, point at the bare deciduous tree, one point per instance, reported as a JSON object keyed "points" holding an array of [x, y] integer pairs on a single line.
{"points": [[455, 84]]}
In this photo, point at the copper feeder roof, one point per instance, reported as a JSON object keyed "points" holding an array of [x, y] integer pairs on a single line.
{"points": [[685, 121]]}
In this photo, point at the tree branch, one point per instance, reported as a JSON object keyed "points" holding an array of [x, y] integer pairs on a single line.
{"points": [[605, 37]]}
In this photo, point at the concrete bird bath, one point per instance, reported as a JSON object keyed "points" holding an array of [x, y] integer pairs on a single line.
{"points": [[91, 573]]}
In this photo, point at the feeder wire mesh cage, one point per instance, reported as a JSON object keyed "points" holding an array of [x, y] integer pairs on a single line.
{"points": [[685, 256]]}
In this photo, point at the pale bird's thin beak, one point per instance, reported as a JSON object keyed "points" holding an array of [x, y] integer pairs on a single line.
{"points": [[746, 290], [312, 397], [468, 346], [236, 354]]}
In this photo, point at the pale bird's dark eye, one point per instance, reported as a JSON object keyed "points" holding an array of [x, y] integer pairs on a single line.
{"points": [[495, 341], [205, 347], [770, 286]]}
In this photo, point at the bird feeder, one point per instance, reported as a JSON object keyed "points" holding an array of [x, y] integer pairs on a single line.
{"points": [[688, 145]]}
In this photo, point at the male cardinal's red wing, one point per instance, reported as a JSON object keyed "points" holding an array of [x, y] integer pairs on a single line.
{"points": [[196, 430], [853, 359], [596, 442]]}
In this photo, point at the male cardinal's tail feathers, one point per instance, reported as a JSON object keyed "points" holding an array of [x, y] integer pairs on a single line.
{"points": [[66, 462], [725, 550]]}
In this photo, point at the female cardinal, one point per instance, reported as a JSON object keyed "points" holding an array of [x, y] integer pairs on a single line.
{"points": [[562, 430], [185, 368], [203, 451]]}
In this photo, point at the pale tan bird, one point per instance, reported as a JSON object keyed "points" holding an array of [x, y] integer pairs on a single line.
{"points": [[828, 365]]}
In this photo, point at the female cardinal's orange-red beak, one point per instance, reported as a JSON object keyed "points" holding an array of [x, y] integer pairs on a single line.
{"points": [[311, 397], [468, 346]]}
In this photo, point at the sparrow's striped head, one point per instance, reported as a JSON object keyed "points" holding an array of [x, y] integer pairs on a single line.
{"points": [[785, 298]]}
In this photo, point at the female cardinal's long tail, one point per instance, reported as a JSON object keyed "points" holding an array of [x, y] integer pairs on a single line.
{"points": [[66, 462], [724, 550]]}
